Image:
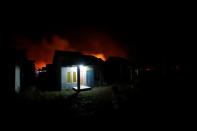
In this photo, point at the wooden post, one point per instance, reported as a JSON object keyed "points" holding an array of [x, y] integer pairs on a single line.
{"points": [[78, 79]]}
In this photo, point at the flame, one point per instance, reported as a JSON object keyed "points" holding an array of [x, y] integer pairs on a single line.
{"points": [[97, 44], [40, 64], [100, 55]]}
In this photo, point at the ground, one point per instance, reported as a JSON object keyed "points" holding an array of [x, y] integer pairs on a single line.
{"points": [[95, 102], [148, 98]]}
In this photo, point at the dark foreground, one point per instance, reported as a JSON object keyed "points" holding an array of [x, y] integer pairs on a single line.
{"points": [[130, 104], [155, 98]]}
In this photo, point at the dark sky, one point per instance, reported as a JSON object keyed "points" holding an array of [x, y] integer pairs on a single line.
{"points": [[147, 35]]}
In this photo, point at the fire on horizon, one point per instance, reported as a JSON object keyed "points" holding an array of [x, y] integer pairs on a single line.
{"points": [[99, 45]]}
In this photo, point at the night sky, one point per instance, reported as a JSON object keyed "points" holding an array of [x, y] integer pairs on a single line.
{"points": [[150, 33], [140, 35]]}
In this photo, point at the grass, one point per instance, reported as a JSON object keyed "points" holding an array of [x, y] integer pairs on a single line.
{"points": [[101, 94], [89, 102], [98, 100], [94, 94], [36, 95]]}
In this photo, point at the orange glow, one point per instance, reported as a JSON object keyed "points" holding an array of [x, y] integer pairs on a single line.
{"points": [[93, 43], [40, 64], [100, 55]]}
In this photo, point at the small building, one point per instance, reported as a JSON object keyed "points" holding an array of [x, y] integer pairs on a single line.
{"points": [[118, 70], [20, 71], [15, 70], [45, 79], [74, 70], [29, 72]]}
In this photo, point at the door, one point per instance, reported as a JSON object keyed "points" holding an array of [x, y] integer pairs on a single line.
{"points": [[90, 78], [82, 77]]}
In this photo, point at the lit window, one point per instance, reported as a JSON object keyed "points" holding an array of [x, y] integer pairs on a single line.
{"points": [[68, 77], [74, 77]]}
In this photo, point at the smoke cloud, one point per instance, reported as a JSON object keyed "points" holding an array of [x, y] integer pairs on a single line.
{"points": [[97, 44]]}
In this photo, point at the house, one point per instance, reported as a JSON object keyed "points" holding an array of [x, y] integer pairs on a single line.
{"points": [[118, 70], [73, 70], [29, 72], [46, 78], [15, 70], [20, 71]]}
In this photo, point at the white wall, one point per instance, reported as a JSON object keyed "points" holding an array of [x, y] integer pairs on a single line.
{"points": [[17, 79], [64, 71]]}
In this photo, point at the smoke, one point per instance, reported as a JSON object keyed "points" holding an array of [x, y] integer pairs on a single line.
{"points": [[97, 44], [42, 51]]}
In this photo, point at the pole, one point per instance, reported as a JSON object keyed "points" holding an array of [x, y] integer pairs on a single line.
{"points": [[78, 79]]}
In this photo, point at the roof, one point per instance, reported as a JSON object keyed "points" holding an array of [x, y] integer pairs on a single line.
{"points": [[74, 58]]}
